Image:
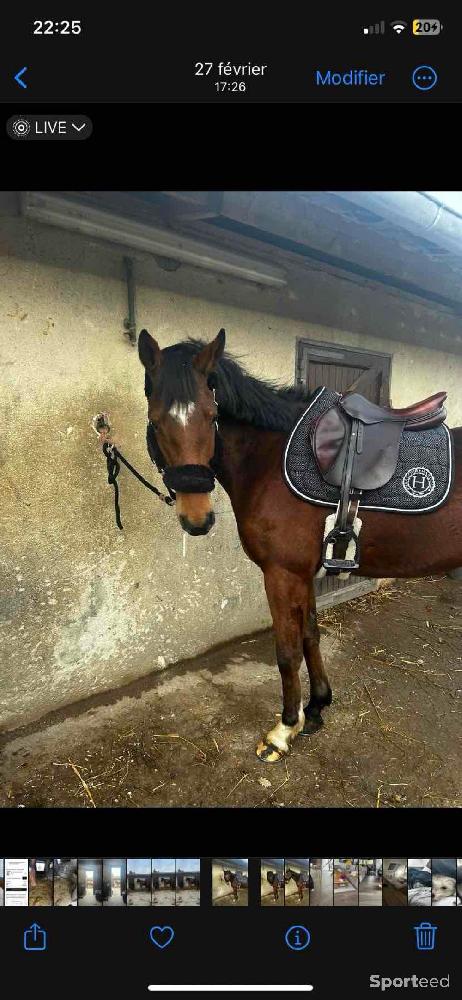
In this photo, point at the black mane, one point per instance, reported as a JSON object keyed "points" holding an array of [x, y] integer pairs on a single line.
{"points": [[262, 403]]}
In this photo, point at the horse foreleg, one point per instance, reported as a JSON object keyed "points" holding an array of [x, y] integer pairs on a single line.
{"points": [[320, 689], [287, 598]]}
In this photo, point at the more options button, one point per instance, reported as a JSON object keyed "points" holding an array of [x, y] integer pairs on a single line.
{"points": [[55, 127], [424, 77]]}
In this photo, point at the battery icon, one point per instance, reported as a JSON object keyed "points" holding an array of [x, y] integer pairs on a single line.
{"points": [[426, 26]]}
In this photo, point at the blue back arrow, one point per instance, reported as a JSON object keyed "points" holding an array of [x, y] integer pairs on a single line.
{"points": [[19, 76]]}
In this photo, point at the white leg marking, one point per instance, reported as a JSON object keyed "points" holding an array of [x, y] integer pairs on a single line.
{"points": [[282, 736]]}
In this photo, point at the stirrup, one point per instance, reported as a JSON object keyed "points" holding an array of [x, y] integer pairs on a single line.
{"points": [[334, 566], [340, 565]]}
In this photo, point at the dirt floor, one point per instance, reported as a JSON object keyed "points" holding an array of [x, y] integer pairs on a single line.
{"points": [[190, 898], [41, 894], [89, 899], [293, 899], [187, 736], [163, 897], [139, 898], [230, 899], [269, 900]]}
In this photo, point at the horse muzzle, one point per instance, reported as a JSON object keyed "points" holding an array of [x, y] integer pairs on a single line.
{"points": [[197, 529], [189, 482]]}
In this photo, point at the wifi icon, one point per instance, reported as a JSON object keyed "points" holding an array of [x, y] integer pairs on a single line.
{"points": [[398, 26]]}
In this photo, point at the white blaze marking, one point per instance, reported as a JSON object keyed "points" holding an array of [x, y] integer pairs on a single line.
{"points": [[182, 412]]}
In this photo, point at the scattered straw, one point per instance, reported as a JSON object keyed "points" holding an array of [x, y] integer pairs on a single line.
{"points": [[83, 782], [386, 729], [286, 779], [244, 776], [176, 736]]}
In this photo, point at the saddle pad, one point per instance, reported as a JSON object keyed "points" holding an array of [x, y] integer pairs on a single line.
{"points": [[421, 481]]}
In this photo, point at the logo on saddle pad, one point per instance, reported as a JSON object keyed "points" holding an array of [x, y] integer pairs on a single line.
{"points": [[419, 482]]}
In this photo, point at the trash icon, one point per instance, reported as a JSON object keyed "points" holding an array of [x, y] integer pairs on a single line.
{"points": [[425, 936]]}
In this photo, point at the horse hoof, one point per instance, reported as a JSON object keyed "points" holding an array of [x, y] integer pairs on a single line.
{"points": [[269, 754], [312, 726]]}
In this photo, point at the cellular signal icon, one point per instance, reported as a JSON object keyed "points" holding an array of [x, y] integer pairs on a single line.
{"points": [[375, 29], [398, 26]]}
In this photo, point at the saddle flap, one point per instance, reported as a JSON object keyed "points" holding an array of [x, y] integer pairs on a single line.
{"points": [[375, 463], [327, 438], [379, 456]]}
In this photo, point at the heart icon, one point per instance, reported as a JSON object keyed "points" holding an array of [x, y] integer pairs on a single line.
{"points": [[161, 936]]}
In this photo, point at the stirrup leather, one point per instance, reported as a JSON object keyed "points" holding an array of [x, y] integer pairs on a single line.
{"points": [[343, 531]]}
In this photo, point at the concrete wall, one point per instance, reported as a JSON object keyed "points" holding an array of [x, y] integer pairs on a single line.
{"points": [[86, 608]]}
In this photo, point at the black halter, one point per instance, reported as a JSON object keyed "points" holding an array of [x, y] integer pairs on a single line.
{"points": [[180, 478]]}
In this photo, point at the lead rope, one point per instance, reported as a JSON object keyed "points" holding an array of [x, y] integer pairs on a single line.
{"points": [[114, 457]]}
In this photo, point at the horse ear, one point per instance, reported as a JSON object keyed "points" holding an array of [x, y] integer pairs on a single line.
{"points": [[209, 356], [149, 351]]}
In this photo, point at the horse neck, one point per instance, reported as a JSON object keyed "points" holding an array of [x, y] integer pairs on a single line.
{"points": [[243, 451]]}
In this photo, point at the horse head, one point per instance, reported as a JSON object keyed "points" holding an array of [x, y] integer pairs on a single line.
{"points": [[182, 415]]}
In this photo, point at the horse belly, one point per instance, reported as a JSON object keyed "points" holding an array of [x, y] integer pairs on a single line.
{"points": [[410, 545]]}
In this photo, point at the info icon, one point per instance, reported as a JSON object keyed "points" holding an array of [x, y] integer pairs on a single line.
{"points": [[297, 938], [21, 128]]}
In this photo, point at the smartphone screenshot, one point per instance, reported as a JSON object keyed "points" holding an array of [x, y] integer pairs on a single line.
{"points": [[231, 497], [150, 56]]}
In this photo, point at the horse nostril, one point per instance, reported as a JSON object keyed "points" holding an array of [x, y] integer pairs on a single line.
{"points": [[197, 529]]}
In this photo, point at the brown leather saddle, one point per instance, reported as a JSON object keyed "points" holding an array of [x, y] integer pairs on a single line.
{"points": [[356, 445]]}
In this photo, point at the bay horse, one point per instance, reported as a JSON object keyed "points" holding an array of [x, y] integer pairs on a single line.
{"points": [[301, 881], [209, 418], [232, 878], [275, 883]]}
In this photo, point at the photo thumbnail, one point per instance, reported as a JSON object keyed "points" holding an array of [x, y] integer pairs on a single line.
{"points": [[230, 882], [272, 882]]}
